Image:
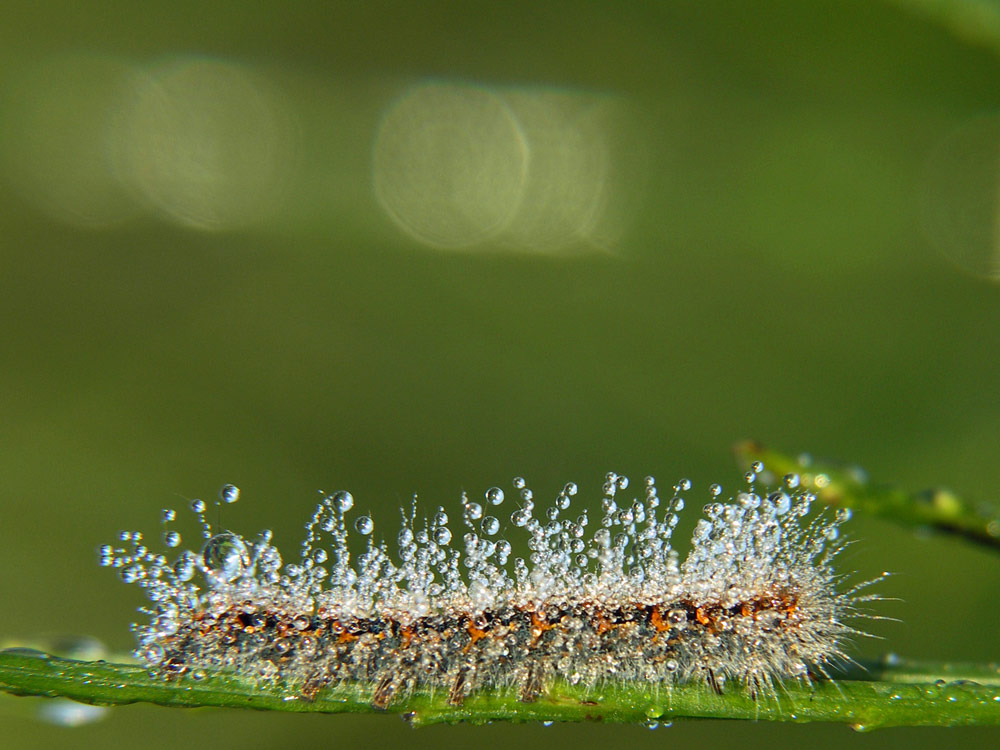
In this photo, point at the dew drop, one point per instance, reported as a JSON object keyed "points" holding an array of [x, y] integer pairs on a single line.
{"points": [[792, 481], [364, 525], [225, 556], [519, 483], [442, 535], [494, 495], [169, 514], [570, 489], [184, 569], [198, 506], [684, 485], [229, 493], [343, 501], [172, 539], [715, 490], [151, 654], [491, 525]]}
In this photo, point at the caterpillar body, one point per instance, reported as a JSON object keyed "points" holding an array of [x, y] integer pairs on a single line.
{"points": [[756, 601]]}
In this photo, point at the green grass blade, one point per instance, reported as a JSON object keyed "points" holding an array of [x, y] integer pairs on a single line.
{"points": [[845, 487], [892, 694]]}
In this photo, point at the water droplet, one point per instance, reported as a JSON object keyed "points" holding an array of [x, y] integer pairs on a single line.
{"points": [[229, 493], [491, 525], [494, 495], [570, 489], [151, 654], [172, 539], [169, 514], [66, 713], [225, 556], [184, 569], [198, 506], [891, 659], [715, 490], [519, 483], [364, 525], [684, 485], [474, 511], [792, 481], [342, 501], [442, 535]]}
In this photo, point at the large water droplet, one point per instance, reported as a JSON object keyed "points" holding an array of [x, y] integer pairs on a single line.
{"points": [[225, 556], [229, 493], [364, 525], [442, 535], [342, 501], [494, 495]]}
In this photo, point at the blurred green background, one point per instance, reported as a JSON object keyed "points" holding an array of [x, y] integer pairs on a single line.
{"points": [[423, 247]]}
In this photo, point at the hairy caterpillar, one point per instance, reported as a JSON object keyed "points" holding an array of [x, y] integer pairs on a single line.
{"points": [[756, 601]]}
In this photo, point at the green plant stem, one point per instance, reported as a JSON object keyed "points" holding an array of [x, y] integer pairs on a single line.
{"points": [[842, 487], [895, 693], [971, 21]]}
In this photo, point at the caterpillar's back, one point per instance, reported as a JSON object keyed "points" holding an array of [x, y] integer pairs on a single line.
{"points": [[756, 600]]}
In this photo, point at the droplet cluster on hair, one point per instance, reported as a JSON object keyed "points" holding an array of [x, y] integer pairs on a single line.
{"points": [[755, 602]]}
